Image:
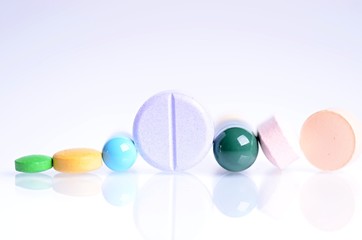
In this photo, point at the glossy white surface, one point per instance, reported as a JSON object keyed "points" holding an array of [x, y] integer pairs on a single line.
{"points": [[74, 73]]}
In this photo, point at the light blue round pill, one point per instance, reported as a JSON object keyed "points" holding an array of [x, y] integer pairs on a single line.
{"points": [[119, 154]]}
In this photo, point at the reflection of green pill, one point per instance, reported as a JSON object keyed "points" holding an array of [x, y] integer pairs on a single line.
{"points": [[35, 181], [33, 163]]}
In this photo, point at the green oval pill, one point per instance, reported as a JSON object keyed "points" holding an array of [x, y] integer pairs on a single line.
{"points": [[33, 163]]}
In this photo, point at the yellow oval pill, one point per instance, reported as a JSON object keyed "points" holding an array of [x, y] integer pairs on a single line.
{"points": [[77, 160]]}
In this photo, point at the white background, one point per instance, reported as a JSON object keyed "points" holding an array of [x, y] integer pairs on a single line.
{"points": [[73, 73]]}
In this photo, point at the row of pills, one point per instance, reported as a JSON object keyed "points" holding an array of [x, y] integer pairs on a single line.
{"points": [[119, 154], [172, 132]]}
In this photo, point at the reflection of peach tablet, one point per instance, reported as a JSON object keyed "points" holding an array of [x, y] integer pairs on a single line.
{"points": [[328, 201], [328, 140]]}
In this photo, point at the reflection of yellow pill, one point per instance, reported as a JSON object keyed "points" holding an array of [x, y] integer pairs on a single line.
{"points": [[77, 160], [77, 185]]}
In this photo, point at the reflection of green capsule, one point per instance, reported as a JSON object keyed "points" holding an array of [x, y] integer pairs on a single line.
{"points": [[235, 195], [33, 163]]}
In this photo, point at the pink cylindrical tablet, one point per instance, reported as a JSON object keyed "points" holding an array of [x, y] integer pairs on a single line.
{"points": [[328, 140], [172, 131], [275, 145]]}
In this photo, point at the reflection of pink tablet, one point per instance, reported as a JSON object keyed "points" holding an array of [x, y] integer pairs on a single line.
{"points": [[275, 145], [328, 140]]}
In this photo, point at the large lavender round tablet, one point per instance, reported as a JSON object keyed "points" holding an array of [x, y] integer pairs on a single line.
{"points": [[172, 132]]}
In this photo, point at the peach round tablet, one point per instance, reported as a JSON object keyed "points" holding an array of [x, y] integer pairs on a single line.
{"points": [[77, 160], [328, 140]]}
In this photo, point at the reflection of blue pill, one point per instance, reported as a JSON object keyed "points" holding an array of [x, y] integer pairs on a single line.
{"points": [[235, 195], [172, 132], [34, 181], [119, 154], [119, 189]]}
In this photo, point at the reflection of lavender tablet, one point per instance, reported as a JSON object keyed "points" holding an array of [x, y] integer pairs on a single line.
{"points": [[275, 145], [172, 132]]}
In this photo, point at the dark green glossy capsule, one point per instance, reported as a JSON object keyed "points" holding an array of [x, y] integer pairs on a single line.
{"points": [[236, 148]]}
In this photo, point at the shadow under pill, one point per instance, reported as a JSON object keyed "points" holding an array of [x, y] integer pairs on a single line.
{"points": [[171, 206], [33, 181], [235, 195], [119, 189], [78, 185], [327, 201]]}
